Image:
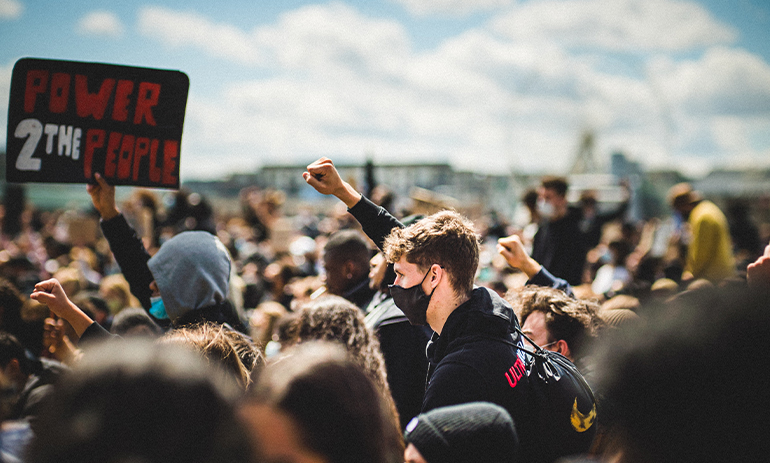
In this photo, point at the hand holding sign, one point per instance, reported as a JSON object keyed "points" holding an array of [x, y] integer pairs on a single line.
{"points": [[103, 197], [69, 120]]}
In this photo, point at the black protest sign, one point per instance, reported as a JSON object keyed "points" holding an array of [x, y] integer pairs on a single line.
{"points": [[68, 120]]}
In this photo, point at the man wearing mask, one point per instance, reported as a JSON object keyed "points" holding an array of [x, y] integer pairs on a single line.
{"points": [[559, 244], [473, 352]]}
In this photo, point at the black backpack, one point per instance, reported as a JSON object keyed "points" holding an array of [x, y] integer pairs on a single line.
{"points": [[563, 403]]}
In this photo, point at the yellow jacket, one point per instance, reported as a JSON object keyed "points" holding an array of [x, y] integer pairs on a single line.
{"points": [[710, 253]]}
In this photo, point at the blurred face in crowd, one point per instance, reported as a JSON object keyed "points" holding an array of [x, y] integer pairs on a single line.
{"points": [[377, 267], [551, 204], [277, 437], [336, 274]]}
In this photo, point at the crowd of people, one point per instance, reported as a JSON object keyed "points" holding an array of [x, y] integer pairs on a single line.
{"points": [[151, 330]]}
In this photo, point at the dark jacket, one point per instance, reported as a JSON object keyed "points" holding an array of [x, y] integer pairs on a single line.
{"points": [[40, 383], [559, 246], [476, 356], [476, 359], [403, 348]]}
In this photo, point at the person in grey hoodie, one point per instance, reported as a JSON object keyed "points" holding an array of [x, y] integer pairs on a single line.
{"points": [[185, 282]]}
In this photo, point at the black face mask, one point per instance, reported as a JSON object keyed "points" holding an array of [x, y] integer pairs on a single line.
{"points": [[412, 301]]}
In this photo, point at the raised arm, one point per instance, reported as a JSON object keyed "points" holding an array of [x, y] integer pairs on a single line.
{"points": [[375, 221], [50, 293], [513, 250], [125, 245], [103, 196]]}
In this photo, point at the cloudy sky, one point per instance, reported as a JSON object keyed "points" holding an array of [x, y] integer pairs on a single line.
{"points": [[488, 85]]}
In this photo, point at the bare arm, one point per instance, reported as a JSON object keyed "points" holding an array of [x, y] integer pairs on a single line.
{"points": [[50, 293]]}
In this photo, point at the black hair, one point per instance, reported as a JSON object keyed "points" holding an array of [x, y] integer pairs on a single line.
{"points": [[11, 348], [688, 385], [140, 401]]}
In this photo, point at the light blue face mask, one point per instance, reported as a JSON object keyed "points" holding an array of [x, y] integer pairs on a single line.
{"points": [[158, 310]]}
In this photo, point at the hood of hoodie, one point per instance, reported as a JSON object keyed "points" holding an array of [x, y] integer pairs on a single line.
{"points": [[192, 271], [485, 315]]}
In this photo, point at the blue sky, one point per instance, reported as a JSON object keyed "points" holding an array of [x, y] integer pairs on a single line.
{"points": [[488, 85]]}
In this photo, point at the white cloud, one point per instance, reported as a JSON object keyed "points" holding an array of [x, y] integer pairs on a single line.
{"points": [[175, 29], [716, 107], [724, 81], [10, 9], [101, 23], [451, 7], [616, 25], [317, 38], [335, 36], [342, 84]]}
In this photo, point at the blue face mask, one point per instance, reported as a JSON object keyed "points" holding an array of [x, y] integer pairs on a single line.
{"points": [[158, 310]]}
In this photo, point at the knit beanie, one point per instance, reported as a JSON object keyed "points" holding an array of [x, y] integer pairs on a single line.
{"points": [[466, 433]]}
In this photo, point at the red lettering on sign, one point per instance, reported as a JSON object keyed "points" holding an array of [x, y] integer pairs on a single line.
{"points": [[170, 154], [126, 153], [120, 107], [94, 140], [154, 169], [92, 104], [141, 150], [37, 82], [60, 92], [112, 153], [147, 98]]}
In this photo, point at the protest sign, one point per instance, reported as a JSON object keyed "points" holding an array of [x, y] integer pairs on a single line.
{"points": [[68, 120]]}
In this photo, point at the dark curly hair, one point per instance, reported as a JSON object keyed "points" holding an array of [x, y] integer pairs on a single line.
{"points": [[572, 320]]}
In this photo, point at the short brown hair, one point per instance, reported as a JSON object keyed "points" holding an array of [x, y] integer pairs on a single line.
{"points": [[445, 238], [557, 184]]}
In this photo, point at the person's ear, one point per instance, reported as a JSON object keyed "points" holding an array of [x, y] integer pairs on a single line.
{"points": [[563, 348], [349, 269], [436, 273]]}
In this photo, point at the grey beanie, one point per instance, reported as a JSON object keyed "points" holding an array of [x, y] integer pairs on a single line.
{"points": [[192, 271], [467, 433]]}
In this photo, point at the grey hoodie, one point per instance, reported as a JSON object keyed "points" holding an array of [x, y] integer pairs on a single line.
{"points": [[192, 271]]}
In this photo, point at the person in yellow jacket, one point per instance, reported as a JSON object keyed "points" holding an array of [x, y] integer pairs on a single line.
{"points": [[710, 249]]}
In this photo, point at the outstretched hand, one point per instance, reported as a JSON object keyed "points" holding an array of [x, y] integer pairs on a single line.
{"points": [[323, 176], [513, 250], [103, 196]]}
